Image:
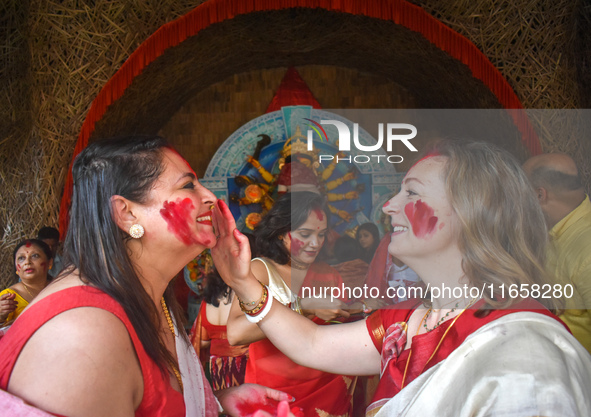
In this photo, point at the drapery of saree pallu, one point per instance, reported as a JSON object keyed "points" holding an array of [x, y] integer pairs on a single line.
{"points": [[387, 328], [227, 371], [317, 393]]}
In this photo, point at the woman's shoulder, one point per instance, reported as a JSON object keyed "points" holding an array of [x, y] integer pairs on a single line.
{"points": [[9, 290], [83, 351], [262, 268], [77, 309]]}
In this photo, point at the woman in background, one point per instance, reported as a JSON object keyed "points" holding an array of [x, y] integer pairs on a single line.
{"points": [[289, 239], [368, 237], [226, 363], [32, 262]]}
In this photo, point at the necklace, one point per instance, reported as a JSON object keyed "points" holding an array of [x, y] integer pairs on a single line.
{"points": [[295, 264], [28, 290], [438, 345], [441, 320], [426, 317], [171, 327]]}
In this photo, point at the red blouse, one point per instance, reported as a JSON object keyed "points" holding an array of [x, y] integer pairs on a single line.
{"points": [[159, 398], [219, 337]]}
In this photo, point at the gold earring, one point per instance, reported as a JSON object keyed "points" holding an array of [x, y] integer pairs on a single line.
{"points": [[136, 231]]}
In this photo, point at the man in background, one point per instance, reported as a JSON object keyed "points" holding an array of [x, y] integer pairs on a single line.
{"points": [[567, 210], [51, 236]]}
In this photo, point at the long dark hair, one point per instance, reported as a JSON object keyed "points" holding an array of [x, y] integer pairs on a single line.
{"points": [[95, 245], [215, 289], [288, 213]]}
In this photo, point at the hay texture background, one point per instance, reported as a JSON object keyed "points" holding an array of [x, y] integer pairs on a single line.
{"points": [[55, 56]]}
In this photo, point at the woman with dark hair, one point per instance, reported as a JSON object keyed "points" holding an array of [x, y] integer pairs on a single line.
{"points": [[105, 338], [226, 363], [289, 238], [32, 262], [466, 219], [368, 237]]}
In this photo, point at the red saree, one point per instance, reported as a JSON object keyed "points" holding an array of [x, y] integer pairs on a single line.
{"points": [[226, 363], [317, 393], [387, 328]]}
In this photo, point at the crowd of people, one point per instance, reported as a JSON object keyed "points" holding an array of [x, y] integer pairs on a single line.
{"points": [[468, 216]]}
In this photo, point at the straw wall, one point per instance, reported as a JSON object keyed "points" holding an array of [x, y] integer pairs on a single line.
{"points": [[56, 55], [216, 112]]}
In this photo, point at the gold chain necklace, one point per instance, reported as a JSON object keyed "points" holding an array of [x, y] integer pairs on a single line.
{"points": [[27, 288], [171, 327], [29, 291]]}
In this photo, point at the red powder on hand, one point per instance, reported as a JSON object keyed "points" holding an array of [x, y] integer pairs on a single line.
{"points": [[297, 411], [266, 405], [248, 409], [421, 218]]}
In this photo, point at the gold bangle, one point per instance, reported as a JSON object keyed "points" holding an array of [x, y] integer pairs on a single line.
{"points": [[260, 305], [243, 305]]}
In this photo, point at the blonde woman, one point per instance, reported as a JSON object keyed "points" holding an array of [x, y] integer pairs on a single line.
{"points": [[465, 218]]}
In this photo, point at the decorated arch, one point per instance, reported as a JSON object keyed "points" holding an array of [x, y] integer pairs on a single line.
{"points": [[185, 56]]}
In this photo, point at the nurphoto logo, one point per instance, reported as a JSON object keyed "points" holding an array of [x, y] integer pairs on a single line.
{"points": [[402, 132]]}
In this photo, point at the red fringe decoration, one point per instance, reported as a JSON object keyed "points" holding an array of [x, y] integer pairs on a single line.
{"points": [[214, 11]]}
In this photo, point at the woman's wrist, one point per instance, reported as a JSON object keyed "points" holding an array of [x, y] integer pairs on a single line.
{"points": [[249, 291]]}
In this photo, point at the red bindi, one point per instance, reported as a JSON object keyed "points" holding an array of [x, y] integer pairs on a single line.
{"points": [[421, 218]]}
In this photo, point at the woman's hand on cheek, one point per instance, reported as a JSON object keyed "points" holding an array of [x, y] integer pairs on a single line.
{"points": [[231, 254]]}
